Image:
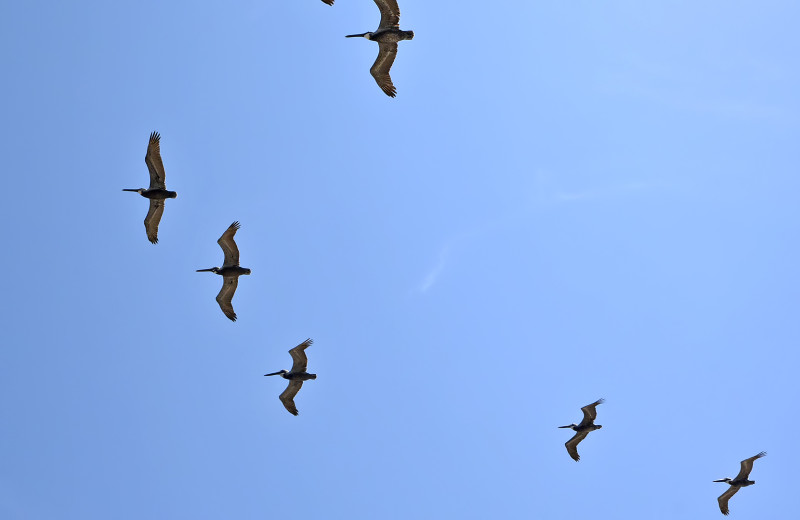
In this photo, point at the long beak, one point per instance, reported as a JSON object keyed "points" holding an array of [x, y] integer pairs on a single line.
{"points": [[568, 426], [128, 189], [355, 35], [206, 270], [723, 480], [273, 374]]}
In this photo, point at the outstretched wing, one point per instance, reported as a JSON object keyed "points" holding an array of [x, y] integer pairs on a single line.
{"points": [[329, 2], [153, 160], [723, 499], [299, 359], [390, 14], [287, 397], [225, 296], [747, 466], [383, 64], [228, 245], [590, 412], [572, 444], [152, 219]]}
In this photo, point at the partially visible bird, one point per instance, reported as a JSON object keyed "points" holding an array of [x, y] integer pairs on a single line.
{"points": [[230, 271], [582, 430], [329, 2], [158, 189], [296, 375], [387, 36], [738, 483]]}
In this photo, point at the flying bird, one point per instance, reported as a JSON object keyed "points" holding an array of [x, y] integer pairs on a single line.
{"points": [[296, 375], [329, 2], [738, 483], [582, 430], [387, 36], [230, 271], [158, 189]]}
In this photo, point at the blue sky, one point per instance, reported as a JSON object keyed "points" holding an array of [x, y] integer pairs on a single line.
{"points": [[566, 201]]}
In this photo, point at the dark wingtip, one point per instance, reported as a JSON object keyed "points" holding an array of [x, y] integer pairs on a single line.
{"points": [[329, 2], [235, 225], [155, 137]]}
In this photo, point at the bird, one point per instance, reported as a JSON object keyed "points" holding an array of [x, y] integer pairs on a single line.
{"points": [[329, 2], [387, 36], [296, 375], [157, 191], [737, 483], [582, 430], [230, 271]]}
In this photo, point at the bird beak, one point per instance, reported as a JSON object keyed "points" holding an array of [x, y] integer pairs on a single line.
{"points": [[568, 426], [205, 270], [723, 480], [128, 189], [272, 374], [355, 35]]}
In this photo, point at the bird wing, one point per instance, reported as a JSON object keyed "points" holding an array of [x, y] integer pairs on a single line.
{"points": [[383, 64], [152, 219], [747, 466], [228, 245], [154, 164], [723, 499], [299, 359], [287, 397], [590, 412], [390, 14], [572, 444], [329, 2], [225, 296]]}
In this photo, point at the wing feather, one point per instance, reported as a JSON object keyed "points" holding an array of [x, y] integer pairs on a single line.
{"points": [[723, 499], [390, 14], [154, 165], [747, 466], [590, 412], [572, 444], [152, 220], [287, 397], [299, 358], [383, 64], [228, 245], [225, 296]]}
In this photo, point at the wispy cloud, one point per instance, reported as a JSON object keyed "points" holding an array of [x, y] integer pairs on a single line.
{"points": [[433, 274]]}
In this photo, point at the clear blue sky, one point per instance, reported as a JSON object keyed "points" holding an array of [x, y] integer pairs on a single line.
{"points": [[566, 201]]}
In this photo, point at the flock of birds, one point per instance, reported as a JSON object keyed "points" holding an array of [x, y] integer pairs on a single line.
{"points": [[387, 36]]}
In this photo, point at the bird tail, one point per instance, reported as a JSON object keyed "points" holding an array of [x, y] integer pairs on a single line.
{"points": [[312, 376]]}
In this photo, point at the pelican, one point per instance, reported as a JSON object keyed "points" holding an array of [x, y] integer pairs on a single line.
{"points": [[157, 191], [230, 271], [329, 2], [739, 482], [296, 375], [387, 36], [582, 430]]}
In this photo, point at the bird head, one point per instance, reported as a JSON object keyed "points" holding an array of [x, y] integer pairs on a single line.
{"points": [[278, 373], [568, 426], [367, 35]]}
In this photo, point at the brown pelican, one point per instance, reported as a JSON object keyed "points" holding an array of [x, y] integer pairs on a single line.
{"points": [[157, 191], [739, 482], [582, 430], [387, 36], [230, 271], [296, 375]]}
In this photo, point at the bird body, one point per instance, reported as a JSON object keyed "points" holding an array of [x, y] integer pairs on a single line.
{"points": [[230, 271], [741, 480], [582, 429], [387, 36], [296, 375], [157, 192]]}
